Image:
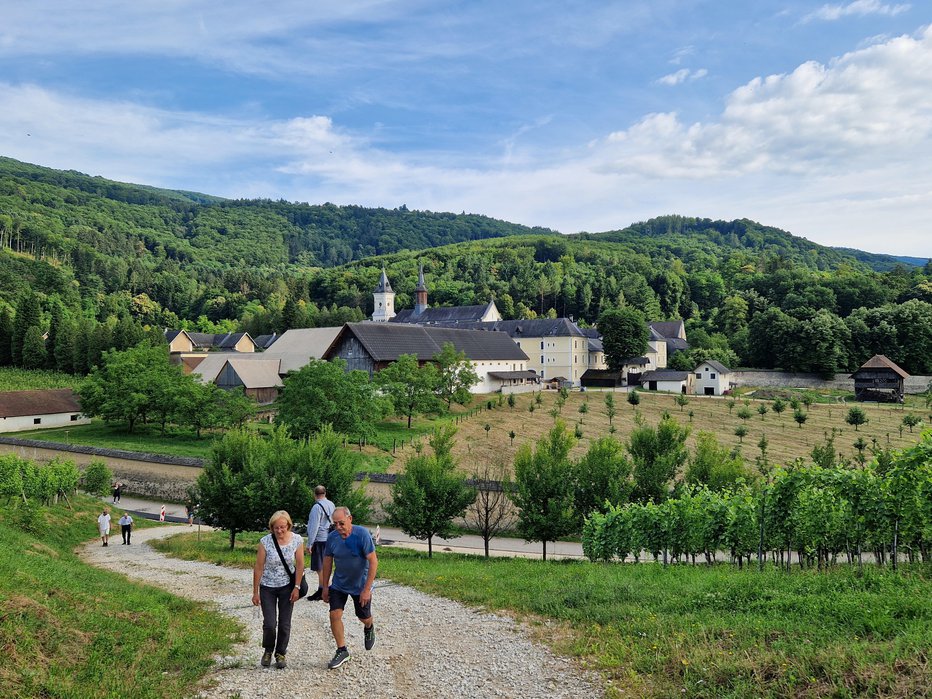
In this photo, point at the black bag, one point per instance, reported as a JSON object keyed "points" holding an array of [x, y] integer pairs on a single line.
{"points": [[302, 591]]}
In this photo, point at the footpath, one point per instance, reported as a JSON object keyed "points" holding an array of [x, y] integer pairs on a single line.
{"points": [[389, 536]]}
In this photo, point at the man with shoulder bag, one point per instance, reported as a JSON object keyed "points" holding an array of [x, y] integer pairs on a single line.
{"points": [[319, 525]]}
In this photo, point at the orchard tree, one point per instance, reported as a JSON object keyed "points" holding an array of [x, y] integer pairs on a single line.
{"points": [[324, 393], [624, 335], [455, 376], [543, 491], [430, 493], [657, 453], [490, 512], [412, 389], [602, 475], [856, 417]]}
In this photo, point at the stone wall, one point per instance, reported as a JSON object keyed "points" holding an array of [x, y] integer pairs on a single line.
{"points": [[788, 379]]}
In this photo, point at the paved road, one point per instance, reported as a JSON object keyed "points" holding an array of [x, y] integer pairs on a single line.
{"points": [[499, 546]]}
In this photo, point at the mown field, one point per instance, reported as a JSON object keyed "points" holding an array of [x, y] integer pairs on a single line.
{"points": [[686, 631], [392, 445], [786, 440], [73, 631]]}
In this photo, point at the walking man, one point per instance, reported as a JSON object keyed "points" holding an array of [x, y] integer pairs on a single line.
{"points": [[353, 551], [126, 527], [318, 528], [103, 525]]}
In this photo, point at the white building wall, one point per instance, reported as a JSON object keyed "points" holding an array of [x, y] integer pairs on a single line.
{"points": [[483, 368], [21, 423], [557, 356], [702, 378]]}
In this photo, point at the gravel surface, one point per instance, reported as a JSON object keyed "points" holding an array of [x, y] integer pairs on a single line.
{"points": [[425, 646]]}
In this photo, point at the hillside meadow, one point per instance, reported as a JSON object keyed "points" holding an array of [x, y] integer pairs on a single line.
{"points": [[786, 440]]}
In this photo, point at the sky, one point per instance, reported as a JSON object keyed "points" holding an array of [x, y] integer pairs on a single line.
{"points": [[573, 115]]}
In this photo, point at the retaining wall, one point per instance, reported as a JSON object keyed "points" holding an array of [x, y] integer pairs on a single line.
{"points": [[789, 379]]}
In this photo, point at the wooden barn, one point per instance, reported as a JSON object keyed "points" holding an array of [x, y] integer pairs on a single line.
{"points": [[879, 379]]}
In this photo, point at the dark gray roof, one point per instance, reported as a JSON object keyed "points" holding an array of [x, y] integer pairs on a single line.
{"points": [[383, 285], [592, 333], [219, 340], [386, 342], [664, 375], [172, 334], [595, 345], [669, 328], [718, 366], [634, 361], [527, 374], [675, 344], [538, 327], [265, 341], [447, 314]]}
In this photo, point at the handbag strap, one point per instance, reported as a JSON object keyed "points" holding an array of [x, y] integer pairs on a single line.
{"points": [[282, 556], [324, 510]]}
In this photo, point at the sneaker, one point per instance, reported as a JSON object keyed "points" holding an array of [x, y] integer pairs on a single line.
{"points": [[266, 658], [339, 658], [369, 636], [280, 661], [316, 596]]}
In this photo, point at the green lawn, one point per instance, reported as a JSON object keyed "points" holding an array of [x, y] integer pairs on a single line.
{"points": [[684, 630], [70, 630]]}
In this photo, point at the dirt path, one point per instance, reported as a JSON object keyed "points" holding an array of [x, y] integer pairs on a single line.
{"points": [[426, 646]]}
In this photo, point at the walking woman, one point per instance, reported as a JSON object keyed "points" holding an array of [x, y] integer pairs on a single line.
{"points": [[274, 587]]}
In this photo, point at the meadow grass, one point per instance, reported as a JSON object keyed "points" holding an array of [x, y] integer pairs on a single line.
{"points": [[70, 630], [691, 631]]}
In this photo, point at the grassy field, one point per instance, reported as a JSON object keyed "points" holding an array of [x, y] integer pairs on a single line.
{"points": [[12, 379], [786, 440], [684, 630], [392, 445], [70, 630]]}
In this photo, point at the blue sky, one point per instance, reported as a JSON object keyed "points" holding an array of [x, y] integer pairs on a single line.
{"points": [[574, 115]]}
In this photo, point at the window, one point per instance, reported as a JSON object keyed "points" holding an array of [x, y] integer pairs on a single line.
{"points": [[541, 359], [711, 376], [698, 376], [74, 418], [542, 344], [37, 421]]}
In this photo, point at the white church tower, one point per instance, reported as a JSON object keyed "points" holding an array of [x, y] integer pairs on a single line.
{"points": [[383, 306]]}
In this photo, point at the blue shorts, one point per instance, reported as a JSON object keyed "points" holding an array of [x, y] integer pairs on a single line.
{"points": [[338, 601], [317, 555]]}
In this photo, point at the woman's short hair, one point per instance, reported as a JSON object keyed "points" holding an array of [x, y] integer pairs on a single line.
{"points": [[281, 514]]}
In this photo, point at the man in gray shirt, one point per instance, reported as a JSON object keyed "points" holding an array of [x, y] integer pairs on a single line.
{"points": [[318, 527]]}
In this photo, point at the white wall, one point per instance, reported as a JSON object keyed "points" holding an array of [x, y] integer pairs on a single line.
{"points": [[487, 384], [27, 422]]}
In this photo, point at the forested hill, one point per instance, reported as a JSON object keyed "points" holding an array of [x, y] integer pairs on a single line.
{"points": [[53, 213]]}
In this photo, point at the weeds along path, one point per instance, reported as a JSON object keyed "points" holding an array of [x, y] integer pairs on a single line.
{"points": [[426, 646]]}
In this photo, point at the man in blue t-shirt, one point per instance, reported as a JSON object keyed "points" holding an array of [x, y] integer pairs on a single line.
{"points": [[354, 553]]}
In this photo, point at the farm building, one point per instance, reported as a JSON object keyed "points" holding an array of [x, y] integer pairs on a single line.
{"points": [[30, 410], [879, 379], [712, 378], [667, 380]]}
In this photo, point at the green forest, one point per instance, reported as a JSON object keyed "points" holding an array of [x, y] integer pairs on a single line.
{"points": [[88, 264]]}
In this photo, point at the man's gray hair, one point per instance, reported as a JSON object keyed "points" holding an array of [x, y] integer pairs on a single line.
{"points": [[320, 490], [344, 509]]}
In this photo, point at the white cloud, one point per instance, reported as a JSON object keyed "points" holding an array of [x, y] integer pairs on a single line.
{"points": [[858, 8], [682, 75]]}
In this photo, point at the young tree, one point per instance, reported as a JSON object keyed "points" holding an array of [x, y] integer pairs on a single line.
{"points": [[543, 491], [741, 432], [634, 398], [762, 410], [96, 478], [681, 400], [657, 454], [714, 465], [856, 417], [800, 417], [490, 512], [455, 376], [610, 406], [602, 475], [430, 494], [324, 393], [910, 420], [779, 405], [624, 335], [411, 388]]}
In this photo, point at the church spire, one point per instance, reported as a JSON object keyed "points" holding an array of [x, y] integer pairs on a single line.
{"points": [[383, 300], [420, 292]]}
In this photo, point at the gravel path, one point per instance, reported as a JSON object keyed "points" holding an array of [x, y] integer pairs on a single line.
{"points": [[426, 646]]}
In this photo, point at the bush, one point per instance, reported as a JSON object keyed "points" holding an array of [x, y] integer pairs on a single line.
{"points": [[96, 479]]}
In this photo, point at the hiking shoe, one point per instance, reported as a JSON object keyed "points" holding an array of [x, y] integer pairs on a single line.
{"points": [[280, 661], [369, 636], [266, 658], [339, 658], [316, 596]]}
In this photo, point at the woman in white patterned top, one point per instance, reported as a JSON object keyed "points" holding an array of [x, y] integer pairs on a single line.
{"points": [[273, 586]]}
